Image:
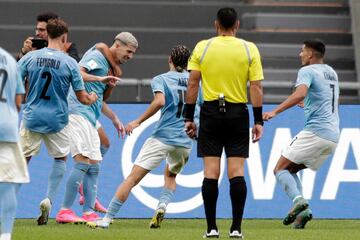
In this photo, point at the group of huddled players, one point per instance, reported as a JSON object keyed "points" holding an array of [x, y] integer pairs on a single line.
{"points": [[64, 99]]}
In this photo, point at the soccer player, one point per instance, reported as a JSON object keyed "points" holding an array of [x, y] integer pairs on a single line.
{"points": [[85, 143], [104, 140], [71, 49], [13, 168], [168, 141], [50, 73], [318, 86], [104, 146], [225, 64]]}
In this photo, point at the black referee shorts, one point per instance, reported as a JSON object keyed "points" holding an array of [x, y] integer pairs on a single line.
{"points": [[229, 130]]}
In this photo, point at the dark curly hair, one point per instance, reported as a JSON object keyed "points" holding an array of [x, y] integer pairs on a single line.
{"points": [[45, 17], [179, 56]]}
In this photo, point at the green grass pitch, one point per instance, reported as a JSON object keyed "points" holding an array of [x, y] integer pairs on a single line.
{"points": [[187, 229]]}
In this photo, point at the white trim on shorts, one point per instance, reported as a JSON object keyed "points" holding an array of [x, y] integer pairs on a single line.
{"points": [[13, 166], [309, 149], [84, 138], [153, 152], [57, 144]]}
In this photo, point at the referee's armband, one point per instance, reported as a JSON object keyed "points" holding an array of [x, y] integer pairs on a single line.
{"points": [[257, 111], [189, 111]]}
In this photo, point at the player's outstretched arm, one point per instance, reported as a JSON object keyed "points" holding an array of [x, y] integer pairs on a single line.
{"points": [[93, 78], [294, 99], [157, 103], [106, 110]]}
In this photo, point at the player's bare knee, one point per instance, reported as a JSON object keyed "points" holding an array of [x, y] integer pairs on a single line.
{"points": [[211, 174]]}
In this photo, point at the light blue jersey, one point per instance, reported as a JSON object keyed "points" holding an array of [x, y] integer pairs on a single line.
{"points": [[96, 64], [50, 73], [321, 102], [170, 127], [10, 85]]}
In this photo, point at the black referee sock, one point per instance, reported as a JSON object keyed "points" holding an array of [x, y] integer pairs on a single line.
{"points": [[210, 192], [238, 193]]}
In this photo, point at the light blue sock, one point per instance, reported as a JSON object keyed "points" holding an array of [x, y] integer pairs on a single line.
{"points": [[165, 197], [90, 187], [113, 208], [8, 205], [75, 179], [298, 182], [56, 175], [103, 150], [288, 183]]}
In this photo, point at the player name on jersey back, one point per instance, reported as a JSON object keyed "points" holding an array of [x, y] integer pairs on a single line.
{"points": [[48, 62]]}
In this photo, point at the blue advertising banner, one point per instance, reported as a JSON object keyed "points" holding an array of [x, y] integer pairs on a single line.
{"points": [[333, 191]]}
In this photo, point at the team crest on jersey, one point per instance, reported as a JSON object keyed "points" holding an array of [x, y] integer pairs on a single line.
{"points": [[92, 64]]}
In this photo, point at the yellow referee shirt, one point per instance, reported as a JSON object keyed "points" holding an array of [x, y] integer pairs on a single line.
{"points": [[226, 64]]}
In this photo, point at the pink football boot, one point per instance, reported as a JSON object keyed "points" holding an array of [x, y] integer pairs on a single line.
{"points": [[91, 217], [68, 216]]}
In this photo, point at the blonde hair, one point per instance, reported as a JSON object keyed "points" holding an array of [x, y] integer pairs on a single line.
{"points": [[127, 38]]}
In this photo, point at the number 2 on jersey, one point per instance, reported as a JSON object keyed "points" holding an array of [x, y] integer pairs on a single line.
{"points": [[3, 77], [48, 77]]}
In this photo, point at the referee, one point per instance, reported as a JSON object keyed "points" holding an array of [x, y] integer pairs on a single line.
{"points": [[224, 64]]}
